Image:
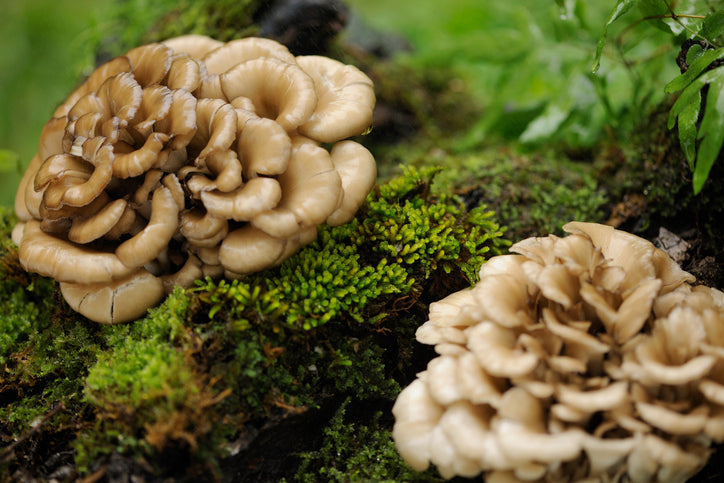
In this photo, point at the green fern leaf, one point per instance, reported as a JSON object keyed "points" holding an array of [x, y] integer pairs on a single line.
{"points": [[711, 131], [618, 11]]}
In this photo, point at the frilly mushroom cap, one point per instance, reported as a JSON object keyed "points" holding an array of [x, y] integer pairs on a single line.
{"points": [[345, 102], [197, 46], [183, 159], [122, 300], [588, 357]]}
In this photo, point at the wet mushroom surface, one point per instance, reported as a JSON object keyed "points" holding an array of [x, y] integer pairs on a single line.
{"points": [[191, 158]]}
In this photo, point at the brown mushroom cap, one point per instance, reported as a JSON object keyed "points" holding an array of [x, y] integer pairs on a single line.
{"points": [[148, 244], [279, 90], [178, 160], [357, 170], [122, 300], [577, 359], [346, 99], [238, 51], [197, 46], [53, 257]]}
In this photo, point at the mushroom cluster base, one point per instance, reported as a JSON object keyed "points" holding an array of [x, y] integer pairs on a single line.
{"points": [[191, 158], [585, 358]]}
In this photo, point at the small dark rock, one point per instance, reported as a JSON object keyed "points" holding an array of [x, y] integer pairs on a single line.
{"points": [[306, 27]]}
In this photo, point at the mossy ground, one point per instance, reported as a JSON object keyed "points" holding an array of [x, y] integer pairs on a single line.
{"points": [[217, 372], [290, 374]]}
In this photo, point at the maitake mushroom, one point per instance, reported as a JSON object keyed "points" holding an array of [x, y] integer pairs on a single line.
{"points": [[588, 357], [189, 158]]}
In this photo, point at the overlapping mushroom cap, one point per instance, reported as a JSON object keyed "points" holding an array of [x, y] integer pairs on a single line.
{"points": [[588, 357], [188, 158]]}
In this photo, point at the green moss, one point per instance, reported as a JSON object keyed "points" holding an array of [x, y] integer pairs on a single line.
{"points": [[137, 22], [401, 235], [43, 356], [140, 375], [213, 364], [359, 451], [223, 20], [533, 195]]}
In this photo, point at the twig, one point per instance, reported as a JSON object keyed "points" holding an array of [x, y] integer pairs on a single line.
{"points": [[8, 453]]}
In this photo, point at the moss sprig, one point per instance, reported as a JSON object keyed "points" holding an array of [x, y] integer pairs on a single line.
{"points": [[400, 237]]}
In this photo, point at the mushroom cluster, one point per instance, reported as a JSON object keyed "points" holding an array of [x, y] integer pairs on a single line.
{"points": [[191, 158], [587, 357]]}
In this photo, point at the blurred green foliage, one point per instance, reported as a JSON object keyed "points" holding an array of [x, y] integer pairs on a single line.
{"points": [[46, 50], [698, 26], [528, 63]]}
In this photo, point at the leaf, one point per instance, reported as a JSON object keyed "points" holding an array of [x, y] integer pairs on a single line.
{"points": [[8, 161], [694, 52], [686, 98], [713, 25], [619, 10], [696, 68], [688, 119], [545, 125], [711, 132], [652, 9]]}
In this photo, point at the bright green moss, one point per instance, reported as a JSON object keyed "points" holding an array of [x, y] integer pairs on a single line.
{"points": [[137, 375], [401, 235], [43, 356]]}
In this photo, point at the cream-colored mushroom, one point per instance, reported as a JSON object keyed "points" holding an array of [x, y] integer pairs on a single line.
{"points": [[139, 161], [216, 127], [184, 74], [248, 250], [119, 301], [56, 258], [27, 199], [150, 63], [178, 122], [83, 193], [357, 170], [346, 99], [279, 90], [506, 301], [279, 222], [256, 196], [311, 186], [195, 45], [416, 414], [85, 230], [227, 168], [111, 68], [268, 158], [146, 245], [185, 276], [495, 348], [155, 105], [238, 51], [572, 361]]}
